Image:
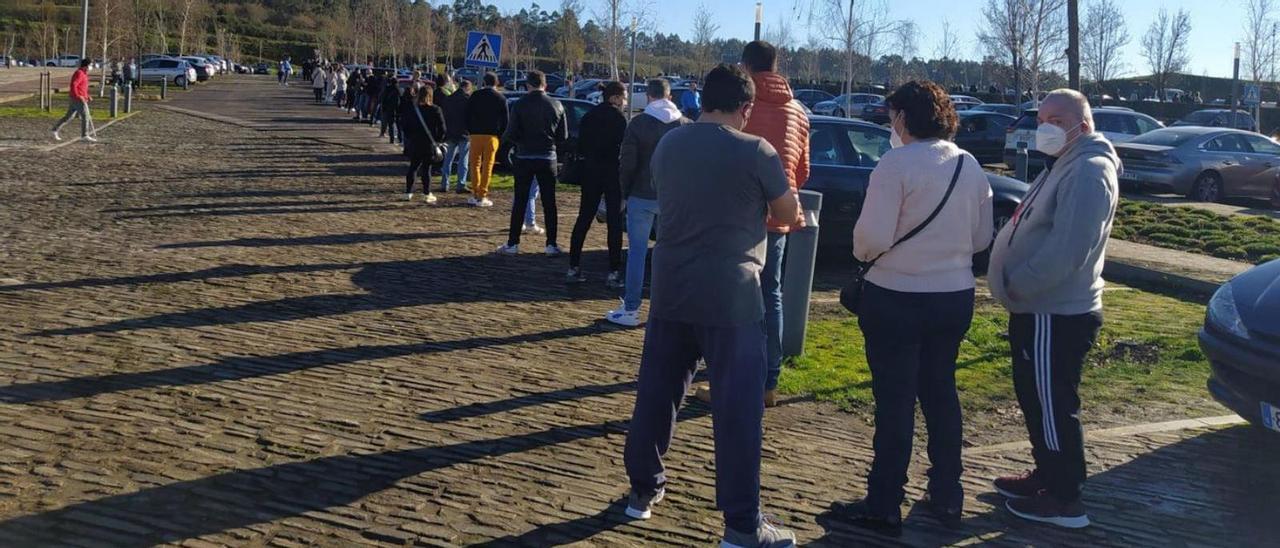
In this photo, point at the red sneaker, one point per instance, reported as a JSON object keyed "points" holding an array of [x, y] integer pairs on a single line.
{"points": [[1025, 485], [1046, 508]]}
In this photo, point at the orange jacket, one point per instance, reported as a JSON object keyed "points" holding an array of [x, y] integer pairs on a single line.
{"points": [[782, 122]]}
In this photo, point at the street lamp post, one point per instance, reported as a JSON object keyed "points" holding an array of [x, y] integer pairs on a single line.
{"points": [[759, 17], [1235, 84], [84, 30], [631, 81]]}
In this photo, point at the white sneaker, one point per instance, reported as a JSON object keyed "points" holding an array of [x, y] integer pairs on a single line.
{"points": [[484, 202], [56, 137], [472, 201], [431, 198], [91, 139], [554, 251], [533, 229], [408, 196], [507, 249], [621, 316]]}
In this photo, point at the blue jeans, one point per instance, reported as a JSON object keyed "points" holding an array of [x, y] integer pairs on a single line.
{"points": [[735, 367], [771, 288], [531, 209], [459, 150], [641, 214]]}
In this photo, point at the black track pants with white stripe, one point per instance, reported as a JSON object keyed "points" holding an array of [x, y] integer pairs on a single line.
{"points": [[1048, 356]]}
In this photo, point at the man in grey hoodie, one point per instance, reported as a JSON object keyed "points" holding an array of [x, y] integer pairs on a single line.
{"points": [[1046, 268], [641, 139]]}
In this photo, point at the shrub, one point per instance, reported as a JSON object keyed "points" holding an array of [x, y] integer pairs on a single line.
{"points": [[1230, 252], [1267, 258]]}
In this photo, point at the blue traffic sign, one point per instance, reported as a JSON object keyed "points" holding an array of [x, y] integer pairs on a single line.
{"points": [[483, 49], [1252, 97]]}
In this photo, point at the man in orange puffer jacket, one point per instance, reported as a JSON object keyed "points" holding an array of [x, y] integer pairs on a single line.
{"points": [[781, 121]]}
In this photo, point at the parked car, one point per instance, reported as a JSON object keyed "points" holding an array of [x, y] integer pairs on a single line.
{"points": [[1117, 125], [471, 74], [574, 110], [262, 68], [204, 69], [639, 96], [965, 102], [1241, 338], [876, 113], [175, 71], [1218, 117], [507, 75], [63, 61], [983, 134], [846, 105], [553, 83], [581, 89], [811, 97], [1204, 164], [842, 154], [1002, 108]]}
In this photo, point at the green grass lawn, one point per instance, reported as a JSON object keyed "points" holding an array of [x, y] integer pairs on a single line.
{"points": [[505, 181], [1237, 237], [99, 108], [1147, 351]]}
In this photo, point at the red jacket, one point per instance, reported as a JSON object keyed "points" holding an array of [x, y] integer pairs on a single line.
{"points": [[783, 123], [80, 85]]}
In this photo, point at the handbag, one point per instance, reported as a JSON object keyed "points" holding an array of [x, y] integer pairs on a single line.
{"points": [[851, 293], [435, 153]]}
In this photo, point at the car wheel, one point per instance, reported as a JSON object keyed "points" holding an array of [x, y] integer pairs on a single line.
{"points": [[179, 81], [1207, 188]]}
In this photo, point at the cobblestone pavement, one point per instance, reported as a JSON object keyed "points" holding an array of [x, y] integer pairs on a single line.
{"points": [[213, 334]]}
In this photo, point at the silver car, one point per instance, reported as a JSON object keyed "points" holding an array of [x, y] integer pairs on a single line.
{"points": [[175, 71], [1202, 163], [846, 105]]}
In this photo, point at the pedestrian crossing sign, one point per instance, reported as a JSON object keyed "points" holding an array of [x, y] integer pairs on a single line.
{"points": [[483, 49], [1251, 96]]}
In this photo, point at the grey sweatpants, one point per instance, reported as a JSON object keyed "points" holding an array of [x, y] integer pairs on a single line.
{"points": [[81, 109]]}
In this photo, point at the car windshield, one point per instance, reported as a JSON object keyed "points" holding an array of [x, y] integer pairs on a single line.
{"points": [[1165, 137]]}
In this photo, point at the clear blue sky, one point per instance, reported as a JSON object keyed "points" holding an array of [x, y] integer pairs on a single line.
{"points": [[1215, 24]]}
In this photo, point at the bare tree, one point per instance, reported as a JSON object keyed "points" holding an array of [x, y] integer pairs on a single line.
{"points": [[1104, 36], [704, 31], [570, 46], [610, 16], [858, 28], [1164, 46], [948, 43], [1259, 39], [1029, 34], [190, 14], [781, 36]]}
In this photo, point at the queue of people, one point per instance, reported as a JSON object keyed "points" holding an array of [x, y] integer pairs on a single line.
{"points": [[721, 196]]}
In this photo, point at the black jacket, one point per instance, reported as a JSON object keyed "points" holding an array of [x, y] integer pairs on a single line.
{"points": [[638, 144], [455, 115], [599, 140], [418, 142], [537, 125], [487, 113], [391, 101]]}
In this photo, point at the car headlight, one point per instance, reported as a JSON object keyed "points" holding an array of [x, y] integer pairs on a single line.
{"points": [[1223, 313]]}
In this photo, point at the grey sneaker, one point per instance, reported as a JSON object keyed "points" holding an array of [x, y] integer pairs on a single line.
{"points": [[766, 535], [614, 281], [641, 506], [575, 275]]}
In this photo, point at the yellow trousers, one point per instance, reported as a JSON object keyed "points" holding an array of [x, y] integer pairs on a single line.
{"points": [[484, 148]]}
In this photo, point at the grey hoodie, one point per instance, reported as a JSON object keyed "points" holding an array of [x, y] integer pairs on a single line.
{"points": [[1048, 259]]}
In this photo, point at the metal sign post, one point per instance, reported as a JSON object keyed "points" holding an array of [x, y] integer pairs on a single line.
{"points": [[484, 50]]}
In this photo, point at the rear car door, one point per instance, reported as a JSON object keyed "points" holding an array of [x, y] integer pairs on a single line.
{"points": [[1265, 161], [1229, 156], [841, 157]]}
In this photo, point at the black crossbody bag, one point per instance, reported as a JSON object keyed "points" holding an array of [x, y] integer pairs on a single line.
{"points": [[851, 294]]}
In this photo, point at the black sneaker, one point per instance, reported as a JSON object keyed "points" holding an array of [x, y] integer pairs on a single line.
{"points": [[615, 280], [1024, 485], [641, 506], [949, 516], [860, 515], [1046, 508], [574, 275], [766, 535]]}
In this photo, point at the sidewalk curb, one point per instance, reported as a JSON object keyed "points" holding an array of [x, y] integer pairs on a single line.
{"points": [[1185, 424], [1120, 271]]}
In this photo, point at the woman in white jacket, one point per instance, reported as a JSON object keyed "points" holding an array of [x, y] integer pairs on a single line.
{"points": [[318, 83], [917, 301]]}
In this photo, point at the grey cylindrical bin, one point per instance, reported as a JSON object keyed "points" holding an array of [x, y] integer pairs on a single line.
{"points": [[128, 97], [115, 100], [164, 87], [797, 279], [1020, 168]]}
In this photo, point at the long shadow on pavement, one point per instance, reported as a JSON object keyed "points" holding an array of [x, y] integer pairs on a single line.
{"points": [[331, 239]]}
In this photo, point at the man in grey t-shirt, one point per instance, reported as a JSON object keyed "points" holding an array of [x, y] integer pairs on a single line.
{"points": [[714, 185]]}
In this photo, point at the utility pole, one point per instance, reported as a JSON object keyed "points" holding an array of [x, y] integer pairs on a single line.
{"points": [[759, 18], [1073, 44], [84, 30], [631, 80], [1235, 85]]}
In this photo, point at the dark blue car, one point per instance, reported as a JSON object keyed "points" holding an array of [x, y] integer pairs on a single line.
{"points": [[843, 152], [1241, 338]]}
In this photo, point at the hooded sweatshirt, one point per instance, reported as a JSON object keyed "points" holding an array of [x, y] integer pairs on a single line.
{"points": [[782, 122], [1048, 259], [638, 144]]}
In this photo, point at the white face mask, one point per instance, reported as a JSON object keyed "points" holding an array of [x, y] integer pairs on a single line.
{"points": [[895, 140], [1051, 139]]}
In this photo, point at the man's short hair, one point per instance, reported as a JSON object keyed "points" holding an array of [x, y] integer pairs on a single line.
{"points": [[490, 79], [726, 89], [1078, 102], [658, 88], [760, 56], [465, 85], [613, 89], [536, 79], [84, 63]]}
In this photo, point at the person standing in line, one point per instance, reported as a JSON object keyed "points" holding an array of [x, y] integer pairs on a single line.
{"points": [[715, 185], [318, 79], [374, 93], [390, 110], [457, 139], [537, 126], [78, 105], [781, 121], [599, 142], [691, 102], [355, 86], [339, 86], [131, 73], [286, 70], [917, 300], [486, 121], [1046, 269], [424, 126], [638, 189]]}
